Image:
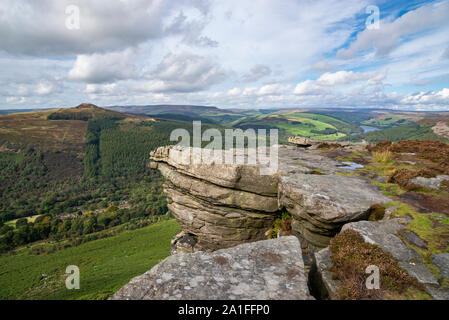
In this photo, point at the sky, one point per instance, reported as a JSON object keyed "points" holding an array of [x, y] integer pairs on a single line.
{"points": [[229, 54]]}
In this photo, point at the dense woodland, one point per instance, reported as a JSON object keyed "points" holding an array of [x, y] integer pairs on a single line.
{"points": [[110, 186]]}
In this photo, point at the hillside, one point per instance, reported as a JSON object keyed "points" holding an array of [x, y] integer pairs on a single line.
{"points": [[105, 264], [34, 128]]}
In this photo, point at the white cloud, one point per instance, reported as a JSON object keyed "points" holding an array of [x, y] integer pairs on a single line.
{"points": [[428, 98], [185, 72], [100, 68], [15, 100], [230, 53], [325, 83], [340, 77], [309, 87], [44, 88], [39, 27]]}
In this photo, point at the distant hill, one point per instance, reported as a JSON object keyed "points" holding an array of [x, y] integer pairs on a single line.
{"points": [[11, 111], [55, 129], [162, 109], [85, 112]]}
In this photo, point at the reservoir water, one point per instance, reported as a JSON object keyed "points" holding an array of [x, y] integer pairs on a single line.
{"points": [[369, 129]]}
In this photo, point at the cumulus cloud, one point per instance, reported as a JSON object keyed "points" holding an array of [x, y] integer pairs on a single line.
{"points": [[309, 87], [185, 72], [15, 100], [190, 31], [428, 98], [340, 77], [108, 67], [39, 27], [387, 37], [227, 53], [44, 88], [325, 83]]}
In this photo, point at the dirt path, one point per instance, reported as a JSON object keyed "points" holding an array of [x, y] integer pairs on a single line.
{"points": [[441, 129]]}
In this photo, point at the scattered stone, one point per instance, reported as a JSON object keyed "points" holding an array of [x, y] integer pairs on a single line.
{"points": [[270, 269], [430, 183], [441, 260], [300, 142], [388, 212], [183, 242], [414, 239]]}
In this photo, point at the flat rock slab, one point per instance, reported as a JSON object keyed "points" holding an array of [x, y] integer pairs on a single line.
{"points": [[270, 269]]}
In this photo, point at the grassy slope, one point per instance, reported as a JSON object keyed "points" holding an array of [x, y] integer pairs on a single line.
{"points": [[308, 121], [105, 265], [391, 119]]}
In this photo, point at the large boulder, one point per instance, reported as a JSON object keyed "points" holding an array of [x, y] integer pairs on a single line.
{"points": [[270, 269], [322, 204]]}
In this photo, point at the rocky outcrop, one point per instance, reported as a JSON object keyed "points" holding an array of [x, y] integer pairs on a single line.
{"points": [[270, 269], [301, 141], [223, 205], [384, 234]]}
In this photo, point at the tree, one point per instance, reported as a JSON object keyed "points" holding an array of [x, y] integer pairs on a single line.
{"points": [[5, 229], [21, 222]]}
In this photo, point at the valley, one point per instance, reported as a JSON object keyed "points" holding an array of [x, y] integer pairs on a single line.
{"points": [[76, 188]]}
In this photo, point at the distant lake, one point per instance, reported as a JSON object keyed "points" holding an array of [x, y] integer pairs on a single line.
{"points": [[369, 129]]}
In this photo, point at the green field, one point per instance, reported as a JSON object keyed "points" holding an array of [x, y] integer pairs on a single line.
{"points": [[105, 265], [310, 125], [389, 120], [12, 223]]}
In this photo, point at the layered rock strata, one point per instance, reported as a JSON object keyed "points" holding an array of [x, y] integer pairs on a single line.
{"points": [[222, 205]]}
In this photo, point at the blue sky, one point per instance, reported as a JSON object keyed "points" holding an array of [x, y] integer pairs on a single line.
{"points": [[231, 54]]}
